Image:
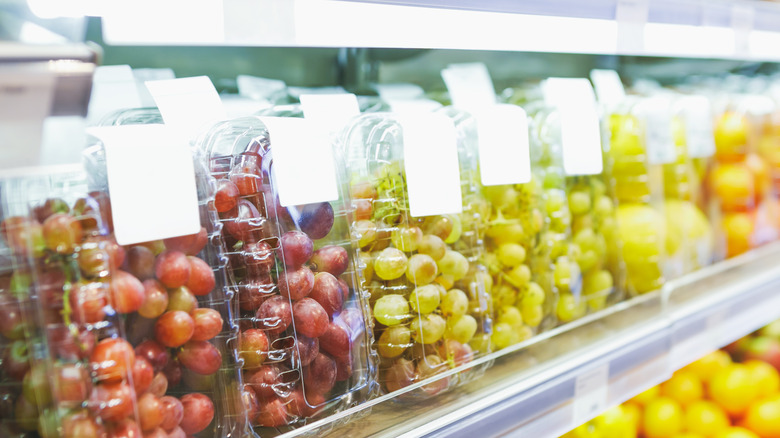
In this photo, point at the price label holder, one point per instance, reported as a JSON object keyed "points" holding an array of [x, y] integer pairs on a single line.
{"points": [[188, 105], [580, 129], [503, 145], [431, 164], [469, 85], [699, 135], [659, 139], [590, 393], [113, 88], [300, 150], [151, 178], [608, 86], [25, 102], [631, 17], [742, 18], [330, 112]]}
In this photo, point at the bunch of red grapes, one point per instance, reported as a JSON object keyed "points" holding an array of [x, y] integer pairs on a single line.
{"points": [[95, 382], [298, 327]]}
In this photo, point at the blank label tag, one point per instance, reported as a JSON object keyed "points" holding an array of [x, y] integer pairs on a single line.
{"points": [[609, 88], [631, 17], [304, 167], [503, 145], [431, 164], [330, 111], [656, 112], [151, 179], [469, 85], [698, 126], [580, 129], [590, 394], [188, 105], [742, 17], [113, 88]]}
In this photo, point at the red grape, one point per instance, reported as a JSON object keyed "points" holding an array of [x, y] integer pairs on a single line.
{"points": [[316, 220], [172, 411], [296, 284], [116, 253], [310, 318], [197, 382], [177, 432], [244, 221], [11, 324], [304, 349], [259, 255], [200, 357], [174, 328], [252, 347], [253, 292], [459, 353], [157, 433], [249, 403], [62, 233], [181, 298], [320, 376], [246, 176], [140, 262], [272, 414], [343, 368], [150, 414], [64, 345], [88, 301], [400, 375], [173, 372], [112, 359], [157, 355], [93, 259], [362, 209], [112, 401], [198, 413], [304, 406], [159, 385], [127, 293], [201, 280], [172, 268], [327, 292], [208, 324], [336, 340], [333, 259], [143, 374], [26, 414], [155, 299], [50, 207], [227, 195], [275, 314], [71, 384], [16, 359], [23, 235], [81, 425], [363, 190], [190, 244], [36, 387], [297, 248], [263, 380]]}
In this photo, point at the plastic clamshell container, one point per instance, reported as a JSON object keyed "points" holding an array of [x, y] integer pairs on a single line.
{"points": [[303, 343], [184, 327], [427, 288]]}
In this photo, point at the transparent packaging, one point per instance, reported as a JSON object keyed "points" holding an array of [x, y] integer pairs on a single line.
{"points": [[303, 342], [427, 289]]}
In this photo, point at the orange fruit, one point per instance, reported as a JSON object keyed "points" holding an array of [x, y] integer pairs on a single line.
{"points": [[643, 398], [731, 136], [684, 387], [734, 389], [738, 228], [687, 435], [766, 377], [762, 178], [736, 432], [663, 418], [709, 365], [705, 418], [763, 417], [733, 185]]}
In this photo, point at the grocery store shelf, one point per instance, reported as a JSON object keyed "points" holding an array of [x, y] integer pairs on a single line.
{"points": [[683, 28], [570, 374]]}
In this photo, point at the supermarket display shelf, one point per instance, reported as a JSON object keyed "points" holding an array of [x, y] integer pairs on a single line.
{"points": [[572, 373], [684, 28]]}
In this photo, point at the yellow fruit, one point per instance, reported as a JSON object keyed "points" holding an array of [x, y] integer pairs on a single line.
{"points": [[766, 377], [684, 387], [733, 185], [688, 233], [734, 389], [739, 229], [641, 231], [731, 136], [736, 432], [643, 398], [614, 423], [687, 435], [709, 365], [634, 414], [705, 418], [663, 418], [763, 417], [587, 430]]}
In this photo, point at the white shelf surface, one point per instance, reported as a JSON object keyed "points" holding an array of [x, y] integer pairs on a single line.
{"points": [[739, 29], [572, 373]]}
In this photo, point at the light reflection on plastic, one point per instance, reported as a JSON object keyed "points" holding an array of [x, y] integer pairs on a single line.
{"points": [[69, 8]]}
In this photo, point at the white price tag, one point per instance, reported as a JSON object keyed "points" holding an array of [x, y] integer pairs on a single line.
{"points": [[699, 133], [25, 102], [303, 165], [113, 88], [631, 17], [330, 111], [742, 17], [609, 88], [580, 129], [398, 91], [151, 179], [142, 75], [411, 106], [188, 105], [590, 393], [503, 145], [431, 164], [659, 140], [469, 85], [259, 88]]}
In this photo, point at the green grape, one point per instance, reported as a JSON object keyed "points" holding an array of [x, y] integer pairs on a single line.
{"points": [[461, 329], [406, 239], [564, 273], [391, 309], [597, 302], [366, 232], [568, 309], [603, 207], [504, 335], [394, 341], [581, 222], [454, 304], [511, 254], [425, 299], [519, 276], [554, 202], [537, 221], [457, 229], [502, 233], [421, 269], [490, 261], [480, 342], [510, 315], [532, 314], [390, 264], [454, 264], [428, 329], [598, 187], [533, 295], [366, 262], [501, 196], [579, 202], [432, 245], [553, 178], [482, 278], [597, 282], [504, 295], [447, 281], [588, 260]]}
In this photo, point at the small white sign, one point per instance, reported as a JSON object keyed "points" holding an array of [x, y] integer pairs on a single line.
{"points": [[580, 129], [431, 164], [151, 179], [188, 105], [659, 139], [699, 134], [503, 145], [631, 17], [300, 150], [609, 88], [590, 393], [470, 85], [113, 88], [330, 111]]}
